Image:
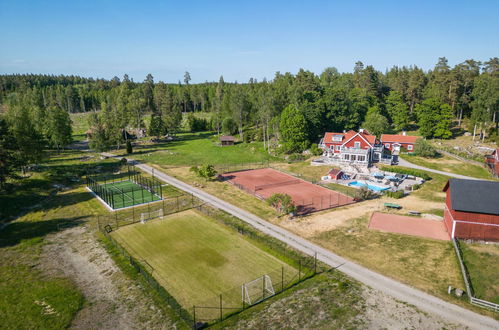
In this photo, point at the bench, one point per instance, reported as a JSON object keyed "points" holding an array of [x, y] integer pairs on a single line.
{"points": [[393, 206]]}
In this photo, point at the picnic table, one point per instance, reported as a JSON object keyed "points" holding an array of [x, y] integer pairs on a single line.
{"points": [[393, 206]]}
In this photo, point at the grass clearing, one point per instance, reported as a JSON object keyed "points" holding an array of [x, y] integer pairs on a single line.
{"points": [[195, 258], [190, 149], [482, 263], [424, 263], [451, 165]]}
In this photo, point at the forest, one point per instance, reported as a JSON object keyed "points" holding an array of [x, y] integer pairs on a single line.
{"points": [[290, 110]]}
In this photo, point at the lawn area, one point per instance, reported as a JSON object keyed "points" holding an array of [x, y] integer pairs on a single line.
{"points": [[451, 165], [191, 149], [427, 264], [482, 262], [195, 258]]}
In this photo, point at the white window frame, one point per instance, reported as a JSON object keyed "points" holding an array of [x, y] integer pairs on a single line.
{"points": [[409, 147], [387, 145], [356, 144], [338, 147]]}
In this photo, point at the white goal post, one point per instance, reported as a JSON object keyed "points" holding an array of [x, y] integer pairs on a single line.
{"points": [[151, 215], [257, 290]]}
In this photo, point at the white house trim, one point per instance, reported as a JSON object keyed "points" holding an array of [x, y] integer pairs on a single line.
{"points": [[363, 138]]}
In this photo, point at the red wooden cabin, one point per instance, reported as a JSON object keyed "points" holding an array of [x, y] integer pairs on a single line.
{"points": [[394, 142], [472, 209], [492, 162]]}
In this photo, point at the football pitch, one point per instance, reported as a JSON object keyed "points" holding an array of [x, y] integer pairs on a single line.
{"points": [[195, 258]]}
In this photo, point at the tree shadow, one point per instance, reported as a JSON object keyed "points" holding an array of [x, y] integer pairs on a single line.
{"points": [[16, 232]]}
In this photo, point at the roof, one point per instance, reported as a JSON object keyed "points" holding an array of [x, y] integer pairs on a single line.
{"points": [[335, 171], [477, 196], [399, 138], [328, 137], [227, 138]]}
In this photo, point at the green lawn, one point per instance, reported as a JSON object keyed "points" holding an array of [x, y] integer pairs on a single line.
{"points": [[451, 165], [195, 258], [482, 262], [197, 149]]}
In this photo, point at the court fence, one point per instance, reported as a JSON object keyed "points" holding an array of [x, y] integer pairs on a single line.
{"points": [[227, 168]]}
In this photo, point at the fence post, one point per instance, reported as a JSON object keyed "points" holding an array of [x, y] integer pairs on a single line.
{"points": [[221, 313]]}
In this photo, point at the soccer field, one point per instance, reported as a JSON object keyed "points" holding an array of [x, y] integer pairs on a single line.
{"points": [[195, 258]]}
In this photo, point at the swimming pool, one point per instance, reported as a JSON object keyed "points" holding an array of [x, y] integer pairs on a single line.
{"points": [[369, 186]]}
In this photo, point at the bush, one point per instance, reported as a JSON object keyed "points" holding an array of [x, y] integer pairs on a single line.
{"points": [[229, 126], [395, 194], [363, 194], [424, 149], [416, 186], [408, 171], [129, 148], [283, 203], [315, 150]]}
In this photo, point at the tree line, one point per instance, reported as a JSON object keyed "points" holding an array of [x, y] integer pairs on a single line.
{"points": [[291, 109]]}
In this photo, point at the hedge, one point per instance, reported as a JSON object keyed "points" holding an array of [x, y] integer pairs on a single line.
{"points": [[408, 171], [395, 194]]}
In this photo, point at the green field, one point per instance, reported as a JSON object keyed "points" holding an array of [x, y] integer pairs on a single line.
{"points": [[127, 193], [195, 258], [190, 149]]}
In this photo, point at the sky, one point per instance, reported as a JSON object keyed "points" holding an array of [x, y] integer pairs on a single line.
{"points": [[239, 39]]}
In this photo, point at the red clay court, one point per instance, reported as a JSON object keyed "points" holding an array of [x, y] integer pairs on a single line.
{"points": [[409, 226], [307, 197]]}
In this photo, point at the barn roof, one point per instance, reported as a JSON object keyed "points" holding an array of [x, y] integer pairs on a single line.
{"points": [[475, 196]]}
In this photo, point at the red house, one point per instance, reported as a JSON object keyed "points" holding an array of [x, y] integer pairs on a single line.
{"points": [[335, 174], [472, 209], [351, 147], [492, 162], [394, 142]]}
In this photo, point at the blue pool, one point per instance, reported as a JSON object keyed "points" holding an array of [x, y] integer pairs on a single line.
{"points": [[369, 186]]}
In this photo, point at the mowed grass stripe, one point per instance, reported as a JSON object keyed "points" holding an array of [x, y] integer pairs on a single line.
{"points": [[197, 258]]}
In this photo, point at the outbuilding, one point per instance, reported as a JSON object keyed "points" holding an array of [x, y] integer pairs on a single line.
{"points": [[227, 140], [472, 209], [335, 174], [492, 162]]}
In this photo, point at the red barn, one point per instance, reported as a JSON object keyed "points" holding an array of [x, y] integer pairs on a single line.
{"points": [[472, 209], [492, 162], [394, 142]]}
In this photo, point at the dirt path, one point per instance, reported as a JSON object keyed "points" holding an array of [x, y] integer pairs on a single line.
{"points": [[113, 301]]}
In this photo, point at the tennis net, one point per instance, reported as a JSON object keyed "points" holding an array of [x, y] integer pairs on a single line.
{"points": [[276, 184]]}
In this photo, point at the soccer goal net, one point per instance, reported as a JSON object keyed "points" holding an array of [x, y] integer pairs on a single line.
{"points": [[257, 290], [144, 217]]}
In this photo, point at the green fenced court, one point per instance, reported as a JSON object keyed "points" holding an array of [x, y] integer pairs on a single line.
{"points": [[125, 189], [128, 193]]}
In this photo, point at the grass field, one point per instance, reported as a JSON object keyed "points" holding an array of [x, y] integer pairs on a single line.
{"points": [[482, 262], [195, 258], [127, 193], [198, 148], [451, 165]]}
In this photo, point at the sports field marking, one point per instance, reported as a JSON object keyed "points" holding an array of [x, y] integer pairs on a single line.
{"points": [[195, 258]]}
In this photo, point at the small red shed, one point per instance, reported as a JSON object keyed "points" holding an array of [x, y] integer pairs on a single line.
{"points": [[492, 162], [472, 209], [335, 174]]}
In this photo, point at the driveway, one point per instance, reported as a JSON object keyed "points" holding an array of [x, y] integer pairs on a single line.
{"points": [[402, 292], [405, 163]]}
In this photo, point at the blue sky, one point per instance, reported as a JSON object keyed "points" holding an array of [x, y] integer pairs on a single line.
{"points": [[239, 40]]}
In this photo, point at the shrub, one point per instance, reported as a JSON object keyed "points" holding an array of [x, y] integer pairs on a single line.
{"points": [[363, 194], [296, 157], [196, 124], [229, 126], [395, 194], [408, 171], [424, 149], [282, 203], [416, 186], [315, 150], [129, 148]]}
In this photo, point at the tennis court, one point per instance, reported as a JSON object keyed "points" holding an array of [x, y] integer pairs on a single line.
{"points": [[306, 196], [126, 193]]}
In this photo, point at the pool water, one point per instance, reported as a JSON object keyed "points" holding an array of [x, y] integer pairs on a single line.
{"points": [[369, 186]]}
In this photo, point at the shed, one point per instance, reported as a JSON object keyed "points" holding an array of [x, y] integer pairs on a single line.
{"points": [[335, 174], [472, 209], [227, 140]]}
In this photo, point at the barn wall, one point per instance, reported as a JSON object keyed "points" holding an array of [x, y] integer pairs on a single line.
{"points": [[476, 232]]}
